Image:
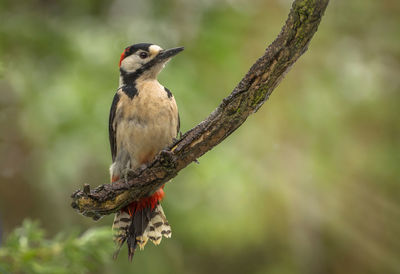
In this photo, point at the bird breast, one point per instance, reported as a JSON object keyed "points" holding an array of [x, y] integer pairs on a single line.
{"points": [[145, 124]]}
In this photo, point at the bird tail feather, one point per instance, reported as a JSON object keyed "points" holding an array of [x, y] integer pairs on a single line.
{"points": [[145, 224]]}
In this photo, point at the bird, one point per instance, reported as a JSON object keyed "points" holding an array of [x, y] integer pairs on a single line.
{"points": [[143, 120]]}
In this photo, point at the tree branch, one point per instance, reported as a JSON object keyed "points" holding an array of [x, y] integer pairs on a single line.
{"points": [[248, 96]]}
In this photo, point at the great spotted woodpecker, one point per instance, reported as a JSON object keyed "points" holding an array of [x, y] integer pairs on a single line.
{"points": [[143, 120]]}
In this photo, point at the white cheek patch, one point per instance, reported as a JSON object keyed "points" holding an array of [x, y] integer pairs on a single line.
{"points": [[131, 63], [154, 49]]}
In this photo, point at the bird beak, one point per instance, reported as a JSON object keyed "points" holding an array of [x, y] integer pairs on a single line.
{"points": [[168, 53]]}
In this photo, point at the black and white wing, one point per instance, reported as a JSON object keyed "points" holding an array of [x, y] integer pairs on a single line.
{"points": [[112, 127]]}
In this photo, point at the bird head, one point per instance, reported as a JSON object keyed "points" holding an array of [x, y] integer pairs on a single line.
{"points": [[145, 59]]}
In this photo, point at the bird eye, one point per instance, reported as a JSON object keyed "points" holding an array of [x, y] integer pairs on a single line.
{"points": [[143, 55]]}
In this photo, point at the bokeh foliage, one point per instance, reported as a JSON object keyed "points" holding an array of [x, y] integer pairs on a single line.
{"points": [[28, 251], [309, 184]]}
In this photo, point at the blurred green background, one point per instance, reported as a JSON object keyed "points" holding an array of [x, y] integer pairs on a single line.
{"points": [[309, 184]]}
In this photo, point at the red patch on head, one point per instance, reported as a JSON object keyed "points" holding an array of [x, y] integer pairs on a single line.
{"points": [[122, 58], [123, 55]]}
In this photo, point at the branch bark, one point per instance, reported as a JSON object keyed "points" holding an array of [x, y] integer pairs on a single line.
{"points": [[248, 96]]}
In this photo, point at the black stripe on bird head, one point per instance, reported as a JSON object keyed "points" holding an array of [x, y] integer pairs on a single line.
{"points": [[134, 48]]}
